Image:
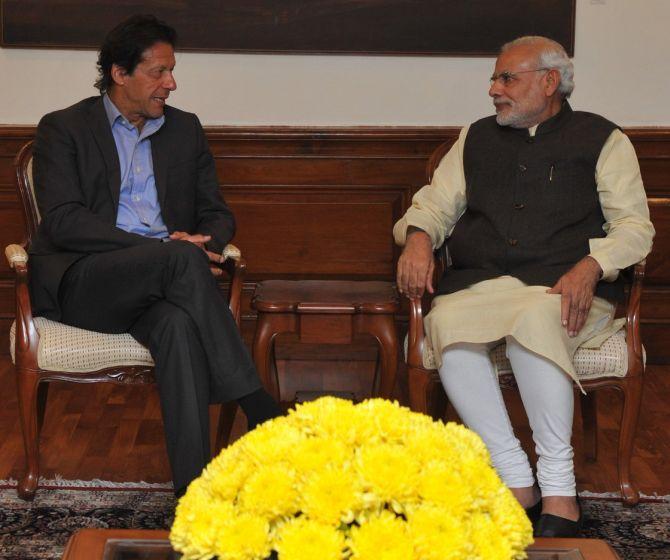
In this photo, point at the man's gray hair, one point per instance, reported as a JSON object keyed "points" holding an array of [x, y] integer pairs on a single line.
{"points": [[552, 55]]}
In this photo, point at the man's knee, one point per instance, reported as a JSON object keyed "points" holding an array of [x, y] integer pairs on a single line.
{"points": [[185, 259]]}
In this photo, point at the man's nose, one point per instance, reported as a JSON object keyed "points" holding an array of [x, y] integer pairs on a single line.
{"points": [[495, 89], [169, 82]]}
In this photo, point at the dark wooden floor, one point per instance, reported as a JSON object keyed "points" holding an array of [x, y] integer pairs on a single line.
{"points": [[115, 433]]}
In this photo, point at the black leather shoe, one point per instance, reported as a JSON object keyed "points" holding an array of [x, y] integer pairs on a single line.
{"points": [[554, 526], [534, 512]]}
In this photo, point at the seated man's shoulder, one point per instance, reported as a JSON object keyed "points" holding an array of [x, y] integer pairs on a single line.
{"points": [[79, 112], [590, 120], [178, 117]]}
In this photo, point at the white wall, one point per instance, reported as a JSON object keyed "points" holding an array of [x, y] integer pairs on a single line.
{"points": [[622, 71]]}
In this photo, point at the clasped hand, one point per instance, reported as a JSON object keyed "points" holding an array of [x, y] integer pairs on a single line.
{"points": [[416, 266], [200, 240]]}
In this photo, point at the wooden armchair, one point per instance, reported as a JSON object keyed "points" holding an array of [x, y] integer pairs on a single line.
{"points": [[44, 350], [618, 363]]}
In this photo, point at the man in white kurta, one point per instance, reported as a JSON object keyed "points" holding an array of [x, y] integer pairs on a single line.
{"points": [[542, 321]]}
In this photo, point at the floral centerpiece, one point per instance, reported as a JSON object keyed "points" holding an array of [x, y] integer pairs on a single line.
{"points": [[334, 480]]}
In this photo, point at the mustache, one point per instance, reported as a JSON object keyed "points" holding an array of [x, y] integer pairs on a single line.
{"points": [[502, 101]]}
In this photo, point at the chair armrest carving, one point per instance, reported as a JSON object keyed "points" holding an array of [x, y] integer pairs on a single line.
{"points": [[415, 334], [230, 251], [27, 337], [633, 339], [16, 255], [236, 267], [415, 331]]}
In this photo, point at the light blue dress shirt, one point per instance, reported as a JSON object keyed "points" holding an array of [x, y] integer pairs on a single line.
{"points": [[139, 210]]}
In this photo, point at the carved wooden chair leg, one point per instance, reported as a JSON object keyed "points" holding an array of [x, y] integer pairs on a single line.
{"points": [[226, 421], [27, 386], [590, 425], [631, 389], [383, 330], [424, 395]]}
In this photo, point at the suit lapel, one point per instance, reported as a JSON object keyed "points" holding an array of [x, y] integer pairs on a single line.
{"points": [[102, 133], [160, 156]]}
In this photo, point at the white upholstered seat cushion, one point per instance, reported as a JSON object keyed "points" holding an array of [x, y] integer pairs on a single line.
{"points": [[610, 360], [65, 348]]}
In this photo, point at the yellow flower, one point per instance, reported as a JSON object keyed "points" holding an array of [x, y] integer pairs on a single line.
{"points": [[305, 539], [329, 418], [483, 482], [432, 442], [487, 540], [388, 472], [314, 454], [390, 422], [441, 484], [383, 537], [330, 496], [334, 481], [226, 475], [244, 537], [437, 534], [270, 443], [198, 521], [271, 491], [511, 520]]}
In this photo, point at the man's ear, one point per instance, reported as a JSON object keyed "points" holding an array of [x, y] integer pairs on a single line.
{"points": [[553, 80], [119, 74]]}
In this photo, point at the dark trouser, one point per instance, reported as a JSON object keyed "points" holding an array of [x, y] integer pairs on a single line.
{"points": [[165, 296]]}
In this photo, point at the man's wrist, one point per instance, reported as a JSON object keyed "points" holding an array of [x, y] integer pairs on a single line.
{"points": [[414, 229], [596, 266]]}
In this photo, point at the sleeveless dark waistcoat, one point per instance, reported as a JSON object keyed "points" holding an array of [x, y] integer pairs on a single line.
{"points": [[532, 202]]}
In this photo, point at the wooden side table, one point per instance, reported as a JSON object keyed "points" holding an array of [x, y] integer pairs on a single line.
{"points": [[89, 544], [326, 311]]}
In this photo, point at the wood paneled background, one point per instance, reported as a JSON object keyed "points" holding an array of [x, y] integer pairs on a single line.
{"points": [[321, 203]]}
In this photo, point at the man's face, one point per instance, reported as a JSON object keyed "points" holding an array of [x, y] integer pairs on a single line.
{"points": [[142, 94], [519, 88]]}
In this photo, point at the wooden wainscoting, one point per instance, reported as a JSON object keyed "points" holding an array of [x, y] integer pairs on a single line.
{"points": [[321, 202]]}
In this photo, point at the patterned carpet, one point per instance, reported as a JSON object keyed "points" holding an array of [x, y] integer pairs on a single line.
{"points": [[39, 531]]}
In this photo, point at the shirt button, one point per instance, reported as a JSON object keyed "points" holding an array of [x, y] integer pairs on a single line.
{"points": [[512, 242], [530, 140], [519, 206], [522, 167]]}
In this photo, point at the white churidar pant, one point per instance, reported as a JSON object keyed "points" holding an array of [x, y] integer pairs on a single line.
{"points": [[471, 384]]}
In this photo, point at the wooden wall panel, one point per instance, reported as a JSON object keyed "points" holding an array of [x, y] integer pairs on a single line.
{"points": [[315, 231], [320, 202]]}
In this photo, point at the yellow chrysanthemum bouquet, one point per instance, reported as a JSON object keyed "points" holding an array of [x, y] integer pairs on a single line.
{"points": [[334, 480]]}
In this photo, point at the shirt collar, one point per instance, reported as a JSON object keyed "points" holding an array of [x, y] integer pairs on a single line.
{"points": [[114, 116]]}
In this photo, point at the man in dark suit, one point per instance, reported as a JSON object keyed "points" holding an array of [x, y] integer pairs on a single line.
{"points": [[133, 224]]}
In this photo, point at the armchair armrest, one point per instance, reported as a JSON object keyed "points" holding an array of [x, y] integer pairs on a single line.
{"points": [[415, 334], [236, 267], [16, 255], [27, 337], [415, 331], [633, 339]]}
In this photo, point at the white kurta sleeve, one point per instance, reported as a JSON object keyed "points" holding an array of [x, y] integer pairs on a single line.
{"points": [[624, 205], [437, 207]]}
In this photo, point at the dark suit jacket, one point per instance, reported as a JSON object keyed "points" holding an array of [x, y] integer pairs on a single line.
{"points": [[77, 184]]}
